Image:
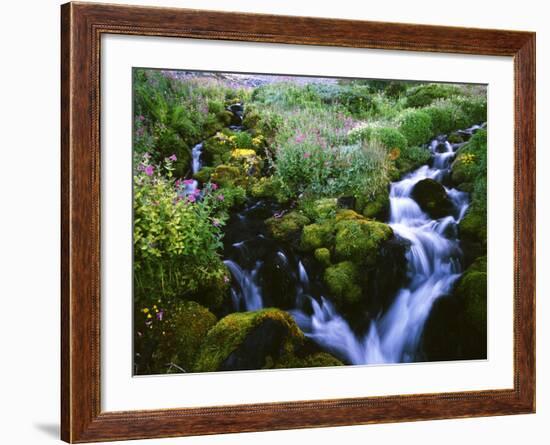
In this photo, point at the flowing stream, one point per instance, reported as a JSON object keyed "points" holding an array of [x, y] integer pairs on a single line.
{"points": [[263, 271]]}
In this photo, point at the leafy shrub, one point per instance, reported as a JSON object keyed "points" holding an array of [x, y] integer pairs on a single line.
{"points": [[389, 137], [416, 126], [423, 95]]}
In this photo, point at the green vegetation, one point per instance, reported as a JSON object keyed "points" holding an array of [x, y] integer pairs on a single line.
{"points": [[323, 154]]}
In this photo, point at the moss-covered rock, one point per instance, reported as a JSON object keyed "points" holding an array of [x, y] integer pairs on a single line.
{"points": [[270, 188], [186, 326], [287, 227], [322, 254], [432, 198], [316, 235], [359, 240], [316, 360], [249, 340], [455, 138], [472, 231], [228, 175], [203, 175], [342, 281], [376, 206], [321, 209], [217, 149], [348, 214]]}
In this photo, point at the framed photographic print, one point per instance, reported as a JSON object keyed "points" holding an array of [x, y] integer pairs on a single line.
{"points": [[275, 222]]}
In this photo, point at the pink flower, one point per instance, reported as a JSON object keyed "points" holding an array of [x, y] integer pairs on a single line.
{"points": [[173, 158], [214, 186], [141, 118], [197, 192], [221, 197], [300, 138], [307, 155], [149, 170], [189, 181], [191, 198]]}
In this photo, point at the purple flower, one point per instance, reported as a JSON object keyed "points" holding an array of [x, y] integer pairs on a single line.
{"points": [[149, 170], [307, 155], [141, 118], [160, 315], [173, 158], [300, 138], [191, 198], [216, 222], [214, 186], [189, 181], [197, 192], [141, 167], [221, 197]]}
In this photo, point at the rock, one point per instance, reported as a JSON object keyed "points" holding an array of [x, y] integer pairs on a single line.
{"points": [[341, 279], [249, 340], [270, 188], [287, 227], [228, 175], [186, 326], [278, 282], [316, 235], [217, 149], [322, 255], [346, 202], [472, 231], [317, 360], [377, 206], [432, 198], [456, 138], [359, 240], [320, 209]]}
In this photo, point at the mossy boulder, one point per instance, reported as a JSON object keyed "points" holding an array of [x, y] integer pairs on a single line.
{"points": [[217, 149], [322, 254], [186, 326], [270, 188], [316, 360], [203, 175], [432, 198], [472, 231], [287, 227], [228, 175], [360, 240], [316, 235], [342, 281], [249, 340], [455, 138], [376, 206]]}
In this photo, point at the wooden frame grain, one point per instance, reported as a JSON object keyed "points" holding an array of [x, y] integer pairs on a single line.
{"points": [[82, 25]]}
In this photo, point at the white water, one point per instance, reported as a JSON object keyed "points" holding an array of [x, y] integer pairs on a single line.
{"points": [[433, 266], [249, 291], [196, 158]]}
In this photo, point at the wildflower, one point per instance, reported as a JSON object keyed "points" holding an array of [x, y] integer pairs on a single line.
{"points": [[300, 138], [214, 186], [173, 158], [191, 198], [221, 197], [226, 279], [141, 118], [160, 315], [141, 167], [189, 181], [145, 310], [216, 222], [149, 170], [307, 155], [146, 156], [197, 192], [149, 316]]}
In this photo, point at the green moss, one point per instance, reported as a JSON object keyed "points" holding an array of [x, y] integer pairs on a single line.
{"points": [[288, 226], [319, 209], [472, 288], [376, 206], [322, 254], [315, 236], [432, 198], [217, 149], [455, 138], [342, 281], [317, 360], [203, 175], [416, 126], [360, 240], [213, 289], [473, 226], [423, 95], [231, 331], [348, 214], [271, 188], [471, 160], [228, 175], [185, 328]]}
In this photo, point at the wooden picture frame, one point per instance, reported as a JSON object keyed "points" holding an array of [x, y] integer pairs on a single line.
{"points": [[82, 25]]}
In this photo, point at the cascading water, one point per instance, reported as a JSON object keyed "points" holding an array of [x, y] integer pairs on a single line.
{"points": [[433, 266]]}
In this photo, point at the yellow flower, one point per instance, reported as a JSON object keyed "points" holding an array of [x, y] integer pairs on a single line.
{"points": [[149, 316], [145, 310]]}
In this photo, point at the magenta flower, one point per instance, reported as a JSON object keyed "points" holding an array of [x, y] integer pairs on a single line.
{"points": [[189, 181], [214, 186], [197, 192], [141, 118], [191, 198], [307, 155], [300, 138], [160, 315], [141, 167], [173, 158], [221, 197], [149, 170]]}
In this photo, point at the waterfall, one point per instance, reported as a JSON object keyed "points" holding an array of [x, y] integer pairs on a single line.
{"points": [[248, 296], [433, 262], [196, 158]]}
